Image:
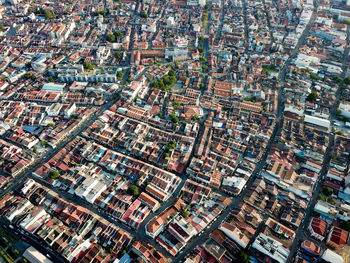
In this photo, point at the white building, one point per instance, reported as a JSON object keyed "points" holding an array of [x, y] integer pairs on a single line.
{"points": [[271, 248], [332, 257], [35, 256], [318, 123], [344, 108], [170, 21], [70, 110], [90, 189], [54, 109], [19, 209], [235, 234]]}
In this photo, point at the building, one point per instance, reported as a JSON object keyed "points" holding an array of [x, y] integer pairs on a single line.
{"points": [[331, 257], [337, 237], [52, 87], [317, 123], [235, 234], [317, 228], [34, 256], [271, 248]]}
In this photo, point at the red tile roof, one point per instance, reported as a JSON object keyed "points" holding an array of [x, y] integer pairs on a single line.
{"points": [[319, 226]]}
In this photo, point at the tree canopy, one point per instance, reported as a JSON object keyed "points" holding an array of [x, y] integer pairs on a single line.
{"points": [[54, 175], [114, 36], [120, 75], [110, 38], [166, 82], [49, 14], [327, 191], [88, 65], [29, 76], [312, 96], [143, 14], [176, 104], [185, 213], [133, 190], [242, 257], [174, 118], [118, 54]]}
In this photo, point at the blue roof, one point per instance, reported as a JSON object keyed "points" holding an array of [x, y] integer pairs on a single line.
{"points": [[29, 128], [53, 87], [125, 259], [344, 196]]}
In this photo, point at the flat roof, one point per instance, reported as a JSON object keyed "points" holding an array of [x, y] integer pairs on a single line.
{"points": [[34, 256], [53, 87], [317, 121]]}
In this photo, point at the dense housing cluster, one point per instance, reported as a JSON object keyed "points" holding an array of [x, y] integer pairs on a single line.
{"points": [[174, 131]]}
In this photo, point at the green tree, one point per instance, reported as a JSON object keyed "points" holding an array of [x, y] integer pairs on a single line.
{"points": [[331, 200], [269, 68], [347, 21], [171, 145], [185, 213], [51, 79], [133, 190], [88, 65], [314, 76], [338, 79], [54, 175], [144, 14], [49, 14], [250, 99], [120, 75], [321, 197], [195, 118], [312, 96], [35, 149], [174, 118], [242, 257], [345, 225], [118, 34], [176, 104], [1, 28], [110, 38], [171, 73], [29, 76], [340, 132], [327, 191], [347, 80], [166, 82], [118, 54]]}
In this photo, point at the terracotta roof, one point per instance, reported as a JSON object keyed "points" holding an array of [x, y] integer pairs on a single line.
{"points": [[319, 226]]}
